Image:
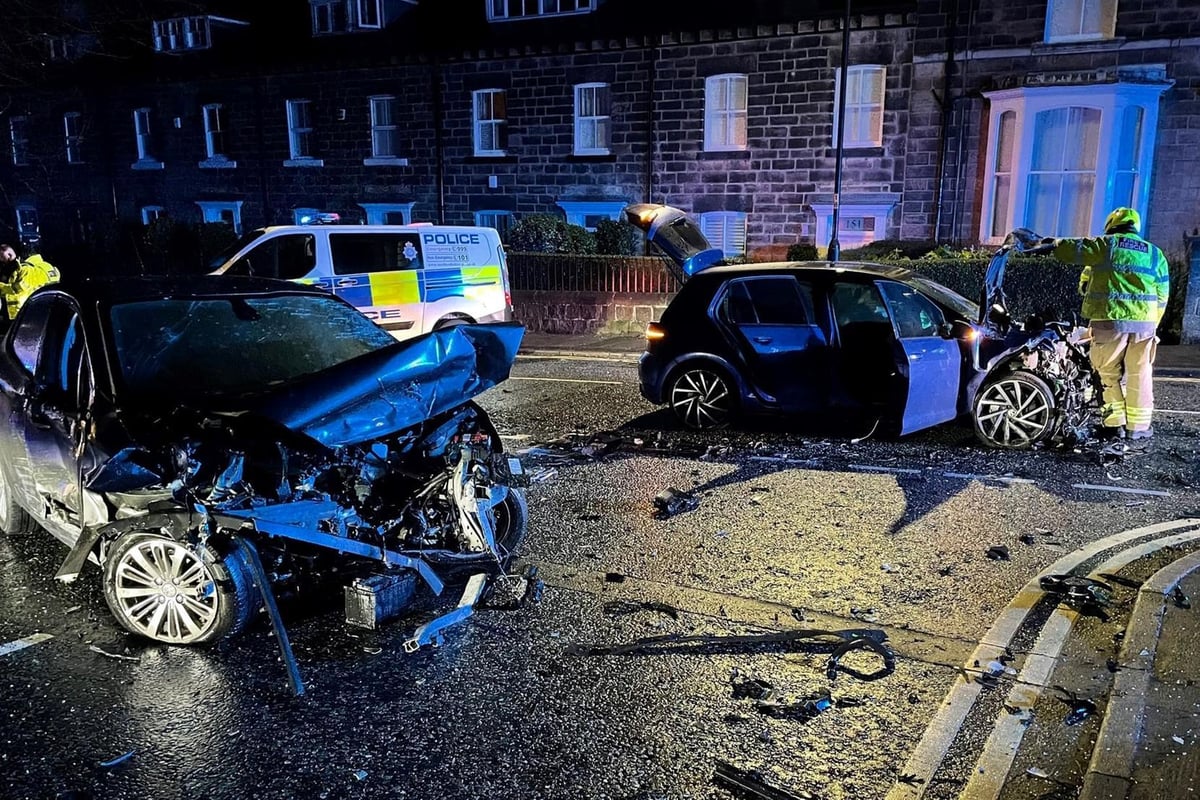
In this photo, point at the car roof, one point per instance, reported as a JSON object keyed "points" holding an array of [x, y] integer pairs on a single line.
{"points": [[864, 268], [126, 289]]}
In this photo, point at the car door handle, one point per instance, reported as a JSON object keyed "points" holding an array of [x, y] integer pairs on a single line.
{"points": [[762, 339], [344, 282]]}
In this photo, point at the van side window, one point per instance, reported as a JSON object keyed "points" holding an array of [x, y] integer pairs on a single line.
{"points": [[356, 253], [288, 257]]}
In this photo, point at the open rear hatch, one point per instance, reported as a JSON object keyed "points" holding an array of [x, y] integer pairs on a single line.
{"points": [[677, 236]]}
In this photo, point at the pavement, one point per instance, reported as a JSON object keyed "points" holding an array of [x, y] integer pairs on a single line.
{"points": [[1178, 360]]}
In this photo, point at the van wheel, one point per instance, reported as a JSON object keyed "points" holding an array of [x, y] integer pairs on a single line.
{"points": [[452, 322]]}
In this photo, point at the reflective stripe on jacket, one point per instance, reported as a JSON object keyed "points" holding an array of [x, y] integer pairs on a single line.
{"points": [[1125, 278]]}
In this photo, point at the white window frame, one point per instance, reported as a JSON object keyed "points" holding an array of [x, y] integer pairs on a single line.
{"points": [[152, 213], [59, 47], [331, 6], [213, 116], [18, 138], [487, 218], [1108, 21], [505, 10], [297, 157], [726, 118], [860, 105], [359, 16], [73, 136], [596, 122], [1111, 99], [178, 34], [498, 124], [723, 220], [378, 159], [848, 238], [577, 211], [210, 211], [24, 210], [377, 212], [144, 141]]}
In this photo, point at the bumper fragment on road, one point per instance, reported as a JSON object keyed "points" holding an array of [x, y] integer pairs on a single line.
{"points": [[21, 644]]}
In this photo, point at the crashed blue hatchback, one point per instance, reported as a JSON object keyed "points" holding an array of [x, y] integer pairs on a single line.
{"points": [[215, 442], [879, 342]]}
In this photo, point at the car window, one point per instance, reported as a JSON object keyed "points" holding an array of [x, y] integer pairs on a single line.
{"points": [[915, 315], [769, 301], [856, 303], [355, 253], [287, 257], [65, 370]]}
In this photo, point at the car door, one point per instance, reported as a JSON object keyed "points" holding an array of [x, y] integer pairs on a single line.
{"points": [[932, 361], [52, 416], [775, 327]]}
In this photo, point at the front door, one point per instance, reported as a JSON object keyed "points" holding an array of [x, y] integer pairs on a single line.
{"points": [[933, 362], [774, 324]]}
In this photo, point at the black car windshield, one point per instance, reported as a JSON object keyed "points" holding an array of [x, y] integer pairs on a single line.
{"points": [[235, 345], [233, 249], [946, 297]]}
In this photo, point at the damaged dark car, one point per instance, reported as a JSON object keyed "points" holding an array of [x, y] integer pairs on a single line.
{"points": [[197, 436], [863, 340]]}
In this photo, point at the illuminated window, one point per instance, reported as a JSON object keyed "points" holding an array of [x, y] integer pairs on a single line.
{"points": [[1080, 20], [864, 106], [490, 119], [725, 106], [592, 120]]}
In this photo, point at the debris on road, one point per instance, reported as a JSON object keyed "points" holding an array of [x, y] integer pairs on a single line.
{"points": [[515, 590], [999, 552], [1081, 708], [672, 501], [1177, 740], [708, 644], [770, 701], [751, 785], [614, 577], [121, 759], [118, 656], [865, 615], [1180, 599], [621, 607], [72, 609], [1086, 595], [360, 774], [889, 568], [910, 780]]}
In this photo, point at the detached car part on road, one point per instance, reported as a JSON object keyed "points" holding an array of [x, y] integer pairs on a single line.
{"points": [[195, 436], [877, 341]]}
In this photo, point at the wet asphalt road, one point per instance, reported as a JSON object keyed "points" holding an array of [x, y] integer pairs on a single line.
{"points": [[793, 525]]}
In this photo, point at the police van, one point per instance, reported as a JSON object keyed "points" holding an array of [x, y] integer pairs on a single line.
{"points": [[409, 279]]}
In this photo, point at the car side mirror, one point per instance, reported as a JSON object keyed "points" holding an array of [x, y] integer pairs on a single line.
{"points": [[957, 329]]}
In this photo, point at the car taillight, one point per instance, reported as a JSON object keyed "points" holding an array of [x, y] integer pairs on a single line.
{"points": [[654, 332]]}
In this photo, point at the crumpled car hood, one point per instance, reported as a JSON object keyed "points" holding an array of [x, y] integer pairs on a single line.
{"points": [[396, 387]]}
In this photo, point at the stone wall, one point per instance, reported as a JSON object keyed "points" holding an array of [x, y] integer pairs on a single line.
{"points": [[587, 312]]}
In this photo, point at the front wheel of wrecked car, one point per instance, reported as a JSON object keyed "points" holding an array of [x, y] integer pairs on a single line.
{"points": [[702, 398], [510, 521], [171, 592], [1014, 411]]}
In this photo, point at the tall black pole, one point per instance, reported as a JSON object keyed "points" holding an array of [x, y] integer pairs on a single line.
{"points": [[835, 247]]}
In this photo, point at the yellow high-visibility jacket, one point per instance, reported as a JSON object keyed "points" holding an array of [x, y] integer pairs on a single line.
{"points": [[31, 274]]}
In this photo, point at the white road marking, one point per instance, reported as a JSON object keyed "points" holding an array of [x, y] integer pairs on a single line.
{"points": [[874, 468], [575, 357], [1176, 411], [21, 644], [515, 436], [1104, 487], [571, 380], [1172, 379], [974, 477], [927, 756], [991, 771]]}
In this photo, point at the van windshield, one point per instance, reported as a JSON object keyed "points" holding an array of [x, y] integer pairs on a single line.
{"points": [[232, 250]]}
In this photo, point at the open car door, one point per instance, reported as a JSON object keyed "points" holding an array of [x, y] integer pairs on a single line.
{"points": [[934, 361], [677, 236]]}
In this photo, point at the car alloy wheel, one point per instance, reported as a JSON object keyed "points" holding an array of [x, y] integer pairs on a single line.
{"points": [[163, 590], [702, 399], [1015, 411]]}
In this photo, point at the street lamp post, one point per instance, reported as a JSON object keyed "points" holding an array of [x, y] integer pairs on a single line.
{"points": [[835, 247]]}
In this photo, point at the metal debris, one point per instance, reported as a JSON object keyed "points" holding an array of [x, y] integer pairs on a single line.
{"points": [[1180, 599], [1086, 595], [998, 552], [118, 656], [672, 501], [751, 785], [118, 760], [1081, 708], [614, 577]]}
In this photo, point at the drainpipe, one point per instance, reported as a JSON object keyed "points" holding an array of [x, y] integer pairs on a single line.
{"points": [[263, 180], [439, 154], [947, 119], [963, 101], [835, 247], [650, 87]]}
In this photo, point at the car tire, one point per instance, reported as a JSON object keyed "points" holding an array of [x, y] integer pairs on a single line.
{"points": [[452, 322], [14, 520], [511, 522], [1014, 411], [702, 396], [171, 592]]}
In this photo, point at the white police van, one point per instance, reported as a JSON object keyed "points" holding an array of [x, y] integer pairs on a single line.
{"points": [[410, 279]]}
